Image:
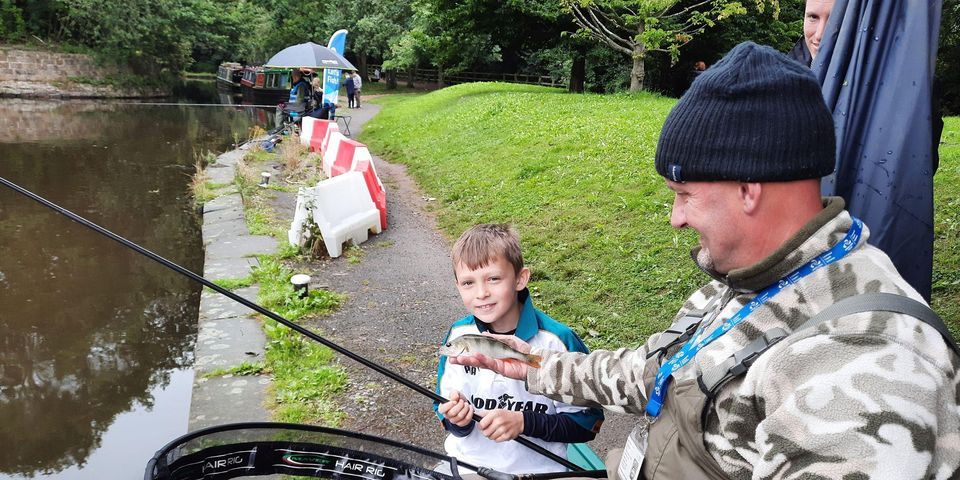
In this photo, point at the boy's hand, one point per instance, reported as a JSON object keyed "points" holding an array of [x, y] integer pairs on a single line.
{"points": [[501, 425], [458, 410], [508, 368]]}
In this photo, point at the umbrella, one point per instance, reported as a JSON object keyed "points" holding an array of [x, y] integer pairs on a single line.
{"points": [[875, 67], [309, 55]]}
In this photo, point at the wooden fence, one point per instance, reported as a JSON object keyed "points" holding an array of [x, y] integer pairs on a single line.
{"points": [[430, 75]]}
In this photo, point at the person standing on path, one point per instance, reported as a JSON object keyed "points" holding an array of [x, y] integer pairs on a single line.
{"points": [[349, 84], [492, 281], [357, 85], [760, 376]]}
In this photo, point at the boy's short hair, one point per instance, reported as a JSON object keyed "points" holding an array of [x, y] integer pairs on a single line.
{"points": [[482, 243]]}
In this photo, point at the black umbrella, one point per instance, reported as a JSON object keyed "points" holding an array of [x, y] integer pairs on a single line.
{"points": [[309, 55], [876, 69]]}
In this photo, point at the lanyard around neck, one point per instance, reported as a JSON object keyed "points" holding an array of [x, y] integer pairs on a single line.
{"points": [[690, 349]]}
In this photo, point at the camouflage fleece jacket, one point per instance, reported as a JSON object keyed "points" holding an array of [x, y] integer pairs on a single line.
{"points": [[871, 395]]}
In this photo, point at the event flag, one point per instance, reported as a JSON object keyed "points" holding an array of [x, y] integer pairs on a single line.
{"points": [[331, 77]]}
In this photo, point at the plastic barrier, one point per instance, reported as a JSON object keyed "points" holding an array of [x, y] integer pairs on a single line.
{"points": [[330, 150], [306, 130], [320, 134], [346, 157], [340, 208], [298, 233], [363, 163]]}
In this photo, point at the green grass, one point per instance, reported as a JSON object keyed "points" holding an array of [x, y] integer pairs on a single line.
{"points": [[575, 174], [276, 292], [946, 247], [354, 254], [304, 375], [235, 283], [244, 368]]}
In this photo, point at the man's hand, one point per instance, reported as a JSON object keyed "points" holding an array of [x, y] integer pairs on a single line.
{"points": [[457, 410], [509, 367], [501, 425]]}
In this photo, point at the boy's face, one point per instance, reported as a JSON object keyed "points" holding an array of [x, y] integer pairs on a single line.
{"points": [[490, 292]]}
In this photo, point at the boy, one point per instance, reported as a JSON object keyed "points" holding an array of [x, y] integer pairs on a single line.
{"points": [[492, 281]]}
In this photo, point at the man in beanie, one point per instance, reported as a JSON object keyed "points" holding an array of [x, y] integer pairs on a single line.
{"points": [[788, 364]]}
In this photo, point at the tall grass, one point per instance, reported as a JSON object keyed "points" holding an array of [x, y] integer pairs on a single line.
{"points": [[575, 174]]}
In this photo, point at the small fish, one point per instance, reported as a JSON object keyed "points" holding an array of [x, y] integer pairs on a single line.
{"points": [[488, 346]]}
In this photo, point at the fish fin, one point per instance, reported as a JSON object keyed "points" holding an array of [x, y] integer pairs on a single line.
{"points": [[534, 360]]}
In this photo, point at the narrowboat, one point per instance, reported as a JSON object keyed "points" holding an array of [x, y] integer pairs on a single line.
{"points": [[229, 73], [265, 85]]}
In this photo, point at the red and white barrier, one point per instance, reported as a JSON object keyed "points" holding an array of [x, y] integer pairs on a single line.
{"points": [[339, 208], [331, 149], [363, 163], [346, 156], [306, 130], [320, 134]]}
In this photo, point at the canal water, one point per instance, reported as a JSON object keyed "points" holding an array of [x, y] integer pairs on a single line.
{"points": [[96, 341]]}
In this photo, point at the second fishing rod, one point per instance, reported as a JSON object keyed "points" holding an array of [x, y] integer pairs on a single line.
{"points": [[268, 313]]}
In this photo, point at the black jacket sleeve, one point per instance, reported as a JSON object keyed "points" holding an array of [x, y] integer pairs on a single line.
{"points": [[456, 430], [554, 428]]}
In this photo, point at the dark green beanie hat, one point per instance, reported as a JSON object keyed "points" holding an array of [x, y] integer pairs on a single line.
{"points": [[754, 116]]}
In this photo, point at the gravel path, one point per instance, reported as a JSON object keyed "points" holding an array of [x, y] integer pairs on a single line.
{"points": [[401, 300]]}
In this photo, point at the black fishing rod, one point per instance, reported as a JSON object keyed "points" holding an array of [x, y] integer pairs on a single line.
{"points": [[253, 306]]}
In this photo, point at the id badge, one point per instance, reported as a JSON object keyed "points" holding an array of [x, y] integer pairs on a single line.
{"points": [[633, 453]]}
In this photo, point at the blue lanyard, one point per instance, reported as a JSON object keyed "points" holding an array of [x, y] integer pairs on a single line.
{"points": [[690, 349]]}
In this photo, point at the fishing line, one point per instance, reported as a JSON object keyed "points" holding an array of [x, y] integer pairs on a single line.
{"points": [[253, 306], [168, 104]]}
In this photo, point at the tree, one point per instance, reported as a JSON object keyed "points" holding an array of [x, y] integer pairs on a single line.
{"points": [[12, 26], [948, 58], [638, 27]]}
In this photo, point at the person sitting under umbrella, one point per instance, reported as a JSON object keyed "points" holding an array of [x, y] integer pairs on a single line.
{"points": [[300, 93]]}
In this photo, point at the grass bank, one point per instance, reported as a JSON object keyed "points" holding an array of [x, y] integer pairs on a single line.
{"points": [[575, 174]]}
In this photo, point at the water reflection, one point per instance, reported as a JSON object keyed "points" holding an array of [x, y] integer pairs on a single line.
{"points": [[89, 331]]}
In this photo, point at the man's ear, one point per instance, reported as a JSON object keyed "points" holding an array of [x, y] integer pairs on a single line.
{"points": [[523, 278], [750, 194]]}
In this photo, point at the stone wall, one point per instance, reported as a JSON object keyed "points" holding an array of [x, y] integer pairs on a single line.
{"points": [[40, 66], [31, 73]]}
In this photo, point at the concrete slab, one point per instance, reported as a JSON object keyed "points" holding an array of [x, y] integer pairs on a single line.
{"points": [[225, 207], [214, 306], [220, 173], [228, 399], [230, 158], [214, 231], [227, 343], [223, 268], [241, 246]]}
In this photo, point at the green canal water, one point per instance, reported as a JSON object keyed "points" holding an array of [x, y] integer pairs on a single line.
{"points": [[96, 341]]}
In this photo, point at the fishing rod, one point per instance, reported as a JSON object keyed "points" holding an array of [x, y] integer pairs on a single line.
{"points": [[259, 309]]}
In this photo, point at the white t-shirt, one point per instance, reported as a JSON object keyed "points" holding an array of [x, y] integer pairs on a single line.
{"points": [[488, 390]]}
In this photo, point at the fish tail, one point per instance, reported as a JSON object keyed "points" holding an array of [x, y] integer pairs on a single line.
{"points": [[534, 360]]}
